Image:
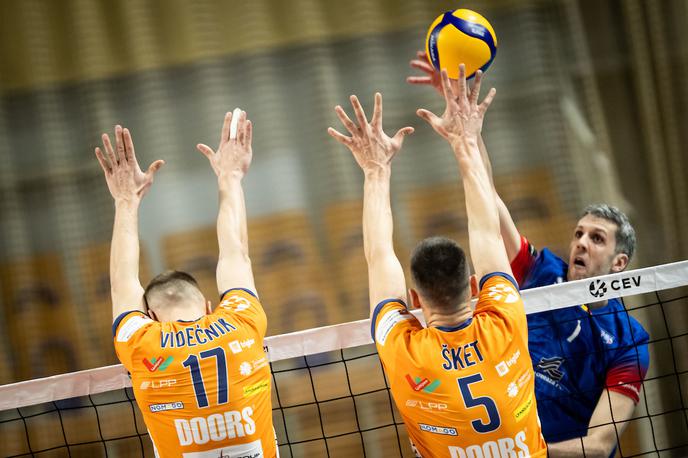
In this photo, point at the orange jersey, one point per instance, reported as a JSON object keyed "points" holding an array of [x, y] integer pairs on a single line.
{"points": [[465, 391], [203, 386]]}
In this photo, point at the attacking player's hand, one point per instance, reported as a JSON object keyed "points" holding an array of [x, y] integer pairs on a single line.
{"points": [[462, 119], [432, 76], [371, 147], [125, 179], [233, 156]]}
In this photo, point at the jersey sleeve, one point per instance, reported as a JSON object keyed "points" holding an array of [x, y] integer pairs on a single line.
{"points": [[128, 331], [391, 325], [243, 305], [499, 294], [524, 260], [629, 368]]}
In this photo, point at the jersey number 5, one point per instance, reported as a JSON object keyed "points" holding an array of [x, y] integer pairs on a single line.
{"points": [[199, 386], [469, 401]]}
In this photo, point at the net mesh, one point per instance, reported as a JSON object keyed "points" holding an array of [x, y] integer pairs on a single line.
{"points": [[330, 394]]}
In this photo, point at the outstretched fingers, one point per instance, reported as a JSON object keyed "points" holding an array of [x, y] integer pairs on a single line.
{"points": [[344, 118], [341, 138], [129, 152], [109, 151], [248, 136], [224, 134], [358, 110], [205, 150], [462, 81], [119, 145], [432, 119], [398, 138], [103, 162], [475, 91], [488, 100], [377, 111]]}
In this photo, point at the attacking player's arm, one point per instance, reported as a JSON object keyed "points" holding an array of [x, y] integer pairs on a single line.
{"points": [[460, 125], [510, 234], [373, 151], [607, 424], [127, 184], [230, 163]]}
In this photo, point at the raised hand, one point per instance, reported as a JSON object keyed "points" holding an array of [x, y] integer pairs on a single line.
{"points": [[432, 76], [234, 154], [371, 147], [462, 119], [125, 179]]}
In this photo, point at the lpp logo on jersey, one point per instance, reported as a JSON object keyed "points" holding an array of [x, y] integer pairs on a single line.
{"points": [[598, 288], [503, 293], [422, 384], [238, 303], [157, 363]]}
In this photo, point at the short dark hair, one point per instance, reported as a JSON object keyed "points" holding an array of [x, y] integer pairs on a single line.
{"points": [[440, 271], [170, 277], [625, 234]]}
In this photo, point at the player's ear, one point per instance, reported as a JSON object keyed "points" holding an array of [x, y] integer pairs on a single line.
{"points": [[619, 262], [208, 307], [152, 314], [473, 280], [415, 299]]}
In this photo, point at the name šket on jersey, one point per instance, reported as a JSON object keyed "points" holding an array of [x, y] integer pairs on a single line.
{"points": [[203, 387], [468, 390]]}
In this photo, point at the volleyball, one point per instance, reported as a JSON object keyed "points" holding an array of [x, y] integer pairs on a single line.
{"points": [[461, 37]]}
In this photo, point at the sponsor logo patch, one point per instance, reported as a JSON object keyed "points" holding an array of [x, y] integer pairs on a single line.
{"points": [[438, 429], [167, 406], [523, 409], [237, 303], [424, 405], [503, 367], [158, 363], [422, 384], [256, 388], [155, 384]]}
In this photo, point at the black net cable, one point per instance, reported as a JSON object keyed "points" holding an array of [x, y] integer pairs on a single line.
{"points": [[348, 382]]}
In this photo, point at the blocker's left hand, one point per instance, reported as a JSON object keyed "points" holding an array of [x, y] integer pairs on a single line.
{"points": [[124, 177], [371, 147]]}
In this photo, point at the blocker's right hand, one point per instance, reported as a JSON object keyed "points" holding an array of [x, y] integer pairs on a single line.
{"points": [[371, 147], [125, 179], [234, 154]]}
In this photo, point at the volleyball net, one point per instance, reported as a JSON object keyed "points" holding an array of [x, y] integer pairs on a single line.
{"points": [[330, 395]]}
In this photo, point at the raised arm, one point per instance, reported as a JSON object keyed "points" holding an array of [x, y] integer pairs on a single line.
{"points": [[432, 78], [127, 184], [230, 163], [460, 125], [373, 151]]}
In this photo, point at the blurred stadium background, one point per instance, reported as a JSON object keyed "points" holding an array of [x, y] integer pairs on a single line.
{"points": [[591, 107]]}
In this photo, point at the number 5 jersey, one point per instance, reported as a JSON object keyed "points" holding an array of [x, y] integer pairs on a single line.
{"points": [[464, 391]]}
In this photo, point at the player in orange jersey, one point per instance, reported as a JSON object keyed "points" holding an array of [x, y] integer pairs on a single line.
{"points": [[463, 384], [201, 378]]}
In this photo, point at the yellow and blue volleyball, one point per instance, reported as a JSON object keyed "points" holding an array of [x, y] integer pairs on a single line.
{"points": [[461, 37]]}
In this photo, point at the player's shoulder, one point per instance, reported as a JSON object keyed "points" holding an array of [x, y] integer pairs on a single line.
{"points": [[128, 323], [386, 316], [547, 269], [238, 299]]}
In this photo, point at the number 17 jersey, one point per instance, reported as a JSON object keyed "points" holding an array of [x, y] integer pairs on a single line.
{"points": [[203, 387], [464, 391]]}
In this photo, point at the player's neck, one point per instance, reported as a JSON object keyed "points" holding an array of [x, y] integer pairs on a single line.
{"points": [[438, 317]]}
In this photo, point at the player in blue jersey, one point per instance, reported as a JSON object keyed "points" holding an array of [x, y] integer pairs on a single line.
{"points": [[589, 360]]}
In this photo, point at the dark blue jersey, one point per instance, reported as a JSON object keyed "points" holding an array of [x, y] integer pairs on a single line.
{"points": [[577, 352]]}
